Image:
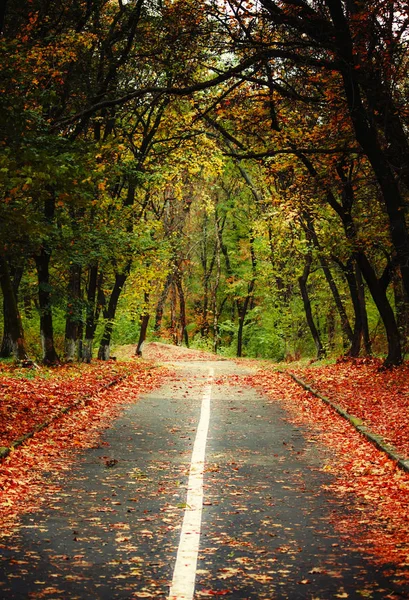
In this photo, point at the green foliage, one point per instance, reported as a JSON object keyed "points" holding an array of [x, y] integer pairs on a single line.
{"points": [[200, 342], [99, 175]]}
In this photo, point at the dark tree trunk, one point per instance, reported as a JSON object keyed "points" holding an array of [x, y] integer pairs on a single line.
{"points": [[402, 311], [142, 334], [217, 310], [302, 282], [345, 325], [74, 313], [104, 347], [173, 323], [7, 346], [13, 336], [242, 310], [380, 298], [144, 327], [375, 286], [204, 329], [50, 356], [3, 11], [349, 272], [364, 314], [368, 139], [90, 323], [161, 303], [182, 310], [331, 328]]}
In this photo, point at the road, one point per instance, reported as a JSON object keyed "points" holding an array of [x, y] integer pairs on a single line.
{"points": [[200, 489]]}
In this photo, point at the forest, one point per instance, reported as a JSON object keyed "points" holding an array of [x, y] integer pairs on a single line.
{"points": [[229, 175]]}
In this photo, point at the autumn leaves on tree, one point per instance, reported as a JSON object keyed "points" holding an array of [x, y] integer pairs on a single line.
{"points": [[230, 174]]}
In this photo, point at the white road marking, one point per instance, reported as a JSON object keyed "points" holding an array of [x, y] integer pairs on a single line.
{"points": [[184, 575]]}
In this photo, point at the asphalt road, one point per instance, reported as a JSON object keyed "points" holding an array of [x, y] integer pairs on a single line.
{"points": [[256, 525]]}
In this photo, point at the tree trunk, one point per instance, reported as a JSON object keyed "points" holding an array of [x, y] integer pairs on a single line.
{"points": [[331, 328], [385, 310], [242, 311], [312, 235], [368, 138], [90, 323], [402, 311], [350, 276], [215, 287], [50, 356], [104, 347], [182, 310], [345, 325], [161, 303], [204, 329], [302, 282], [364, 314], [74, 310], [144, 327], [13, 336], [7, 346], [173, 324], [247, 301]]}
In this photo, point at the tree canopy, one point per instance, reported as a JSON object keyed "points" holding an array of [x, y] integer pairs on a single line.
{"points": [[225, 173]]}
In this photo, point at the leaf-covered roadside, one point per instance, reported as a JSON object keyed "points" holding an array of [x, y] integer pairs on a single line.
{"points": [[378, 397], [31, 397], [25, 472], [376, 490]]}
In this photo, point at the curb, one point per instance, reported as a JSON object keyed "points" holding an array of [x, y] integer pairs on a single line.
{"points": [[377, 440]]}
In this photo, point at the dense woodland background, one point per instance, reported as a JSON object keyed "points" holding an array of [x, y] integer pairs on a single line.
{"points": [[228, 174]]}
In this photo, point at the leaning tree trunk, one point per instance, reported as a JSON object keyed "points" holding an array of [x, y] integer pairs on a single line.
{"points": [[242, 310], [14, 328], [385, 310], [50, 356], [312, 235], [345, 325], [144, 326], [104, 347], [402, 311], [302, 282]]}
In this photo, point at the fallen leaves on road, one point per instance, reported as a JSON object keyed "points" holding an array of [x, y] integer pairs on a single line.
{"points": [[378, 397], [28, 402], [165, 352], [377, 490], [30, 397]]}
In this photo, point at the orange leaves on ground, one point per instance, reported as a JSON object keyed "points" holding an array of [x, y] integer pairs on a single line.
{"points": [[24, 473], [380, 398], [31, 397], [377, 491], [165, 352]]}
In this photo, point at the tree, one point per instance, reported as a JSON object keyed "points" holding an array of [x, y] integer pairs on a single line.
{"points": [[13, 336]]}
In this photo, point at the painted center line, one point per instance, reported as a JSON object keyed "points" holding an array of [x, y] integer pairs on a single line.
{"points": [[184, 575]]}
